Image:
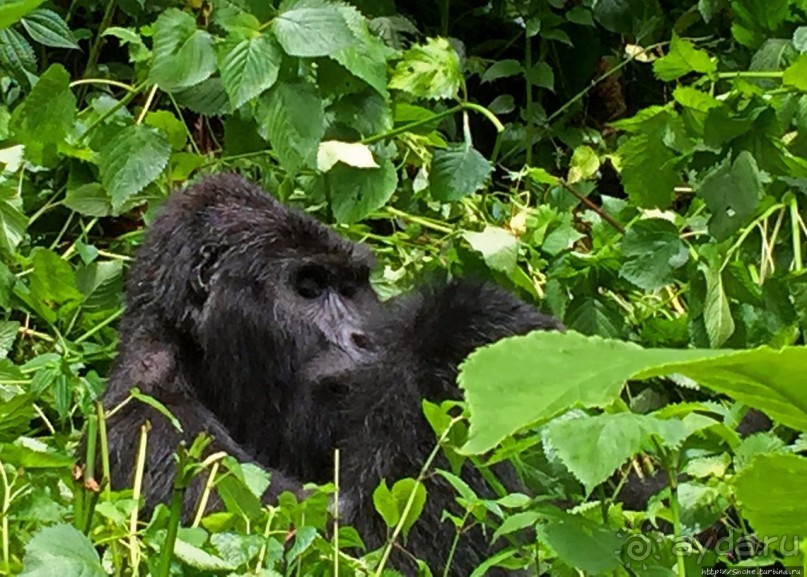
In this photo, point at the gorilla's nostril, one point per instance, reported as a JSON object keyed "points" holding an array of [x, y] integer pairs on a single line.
{"points": [[361, 341]]}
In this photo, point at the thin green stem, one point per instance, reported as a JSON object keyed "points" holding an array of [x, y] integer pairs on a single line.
{"points": [[422, 221], [109, 320], [120, 104], [769, 74], [795, 233], [106, 81], [95, 49], [529, 134]]}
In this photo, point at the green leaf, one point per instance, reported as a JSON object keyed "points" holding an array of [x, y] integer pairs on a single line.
{"points": [[584, 164], [498, 247], [311, 28], [101, 283], [653, 250], [52, 278], [12, 11], [772, 495], [732, 193], [648, 172], [524, 380], [391, 504], [457, 172], [357, 192], [249, 68], [351, 153], [89, 199], [48, 112], [716, 311], [61, 550], [199, 558], [170, 125], [611, 439], [208, 98], [292, 119], [766, 15], [17, 55], [183, 55], [48, 28], [682, 59], [430, 70], [583, 543], [541, 75], [131, 161], [15, 416], [591, 316], [138, 52], [366, 58], [8, 334], [796, 74], [13, 225], [502, 69]]}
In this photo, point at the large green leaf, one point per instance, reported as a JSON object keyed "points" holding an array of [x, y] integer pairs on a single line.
{"points": [[524, 380], [498, 247], [13, 224], [131, 161], [52, 278], [365, 58], [682, 59], [17, 55], [249, 68], [312, 28], [430, 70], [183, 55], [61, 550], [292, 119], [457, 172], [716, 311], [357, 192]]}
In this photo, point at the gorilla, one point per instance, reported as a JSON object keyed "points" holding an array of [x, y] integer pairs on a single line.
{"points": [[257, 324]]}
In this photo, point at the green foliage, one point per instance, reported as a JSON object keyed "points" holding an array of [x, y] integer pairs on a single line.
{"points": [[636, 168]]}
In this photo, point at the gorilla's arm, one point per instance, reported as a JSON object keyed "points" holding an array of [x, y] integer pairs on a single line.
{"points": [[153, 364], [439, 327]]}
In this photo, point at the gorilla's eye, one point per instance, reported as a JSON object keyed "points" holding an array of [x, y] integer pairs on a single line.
{"points": [[311, 281]]}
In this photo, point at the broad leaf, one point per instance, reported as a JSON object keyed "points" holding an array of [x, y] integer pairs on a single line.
{"points": [[351, 153], [430, 70], [48, 112], [48, 28], [13, 11], [732, 192], [52, 278], [524, 380], [366, 58], [498, 247], [61, 550], [654, 251], [682, 59], [183, 55]]}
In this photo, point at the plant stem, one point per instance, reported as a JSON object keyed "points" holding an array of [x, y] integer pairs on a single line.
{"points": [[604, 215], [530, 132], [795, 232]]}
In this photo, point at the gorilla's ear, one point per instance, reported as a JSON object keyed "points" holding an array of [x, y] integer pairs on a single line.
{"points": [[203, 271]]}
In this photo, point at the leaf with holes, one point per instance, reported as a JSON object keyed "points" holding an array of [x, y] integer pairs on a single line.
{"points": [[431, 70], [131, 161], [249, 68]]}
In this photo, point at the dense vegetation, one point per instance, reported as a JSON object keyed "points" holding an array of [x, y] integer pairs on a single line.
{"points": [[636, 167]]}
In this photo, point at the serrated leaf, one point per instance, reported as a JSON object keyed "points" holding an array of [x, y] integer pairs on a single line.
{"points": [[682, 59], [351, 153], [8, 334], [183, 55], [498, 247], [52, 278], [366, 58], [13, 11], [583, 543], [732, 192], [312, 28], [199, 558], [431, 70], [17, 55], [584, 164], [48, 28], [796, 74], [249, 68], [457, 172], [357, 192], [772, 495], [292, 118], [654, 251], [89, 199], [208, 98], [611, 439], [48, 112], [61, 550], [131, 161]]}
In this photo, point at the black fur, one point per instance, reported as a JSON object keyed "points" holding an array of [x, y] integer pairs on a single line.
{"points": [[256, 323]]}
